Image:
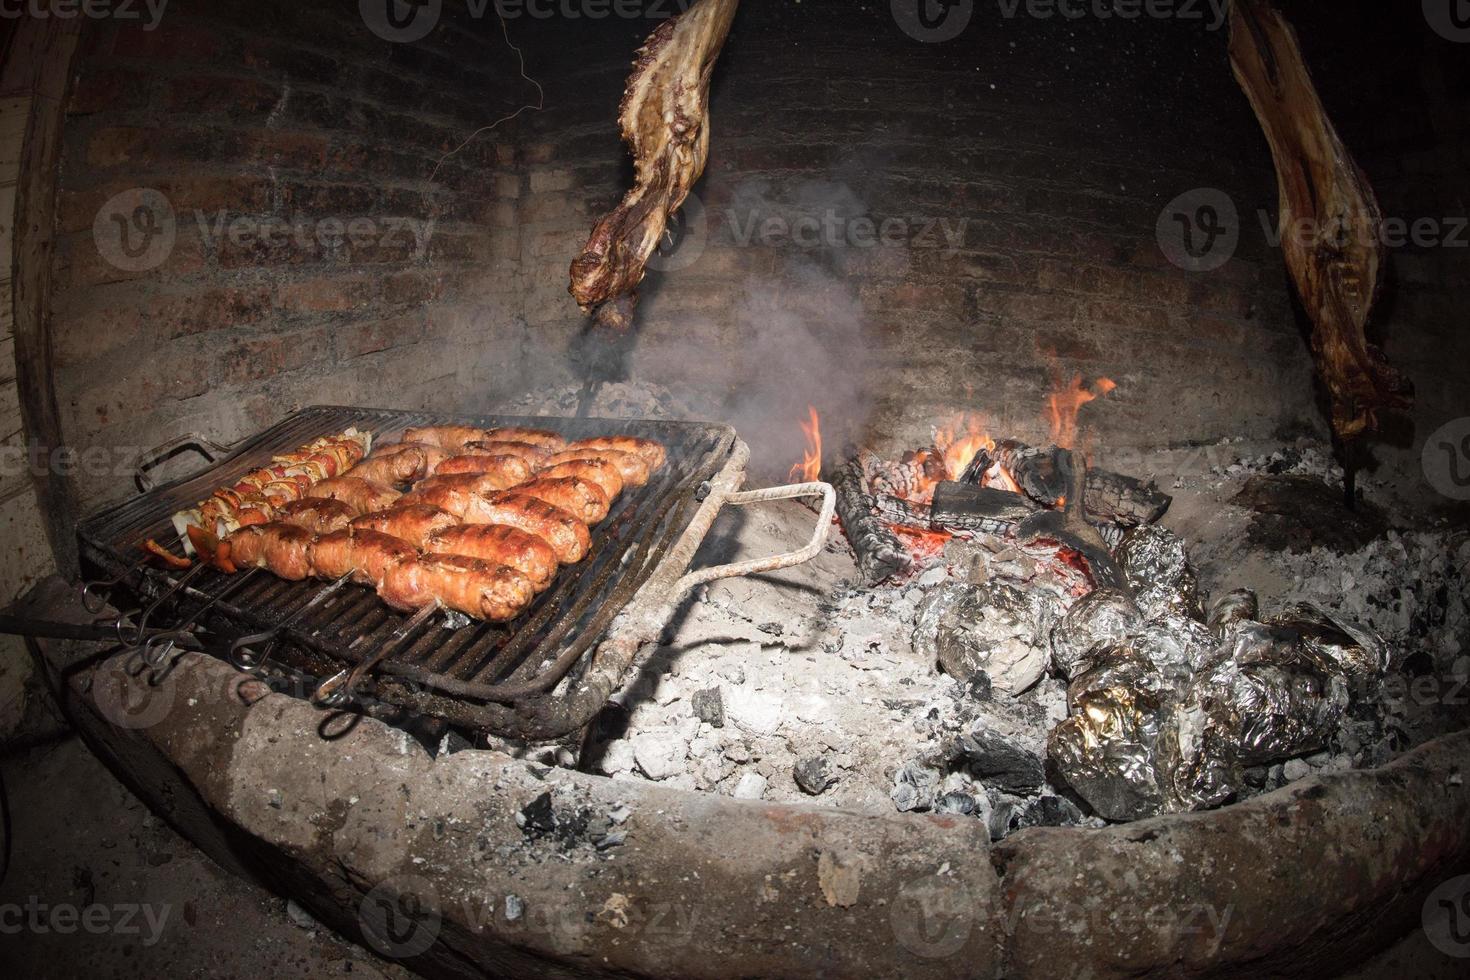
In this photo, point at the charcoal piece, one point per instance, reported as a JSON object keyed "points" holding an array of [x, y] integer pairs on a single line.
{"points": [[956, 802], [992, 628], [1155, 556], [1109, 497], [996, 761], [537, 818], [1359, 651], [1005, 817], [1233, 607], [880, 552], [814, 775], [988, 510], [1050, 811], [709, 706], [1103, 616], [914, 787], [1123, 500]]}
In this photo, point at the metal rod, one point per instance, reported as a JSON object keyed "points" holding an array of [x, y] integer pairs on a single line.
{"points": [[97, 593], [141, 629], [159, 646], [239, 654], [339, 689]]}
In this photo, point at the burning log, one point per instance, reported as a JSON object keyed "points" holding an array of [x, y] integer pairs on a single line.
{"points": [[1337, 267], [1041, 474], [880, 552], [1068, 527], [987, 510]]}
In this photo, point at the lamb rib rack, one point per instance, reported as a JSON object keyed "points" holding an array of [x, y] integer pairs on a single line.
{"points": [[665, 122]]}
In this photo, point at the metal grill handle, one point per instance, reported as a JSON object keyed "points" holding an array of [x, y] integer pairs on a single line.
{"points": [[755, 566], [144, 462]]}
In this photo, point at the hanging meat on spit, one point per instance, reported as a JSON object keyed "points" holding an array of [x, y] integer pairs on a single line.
{"points": [[664, 119]]}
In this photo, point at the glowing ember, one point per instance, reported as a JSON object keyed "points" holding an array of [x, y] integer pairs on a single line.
{"points": [[1065, 401], [810, 468]]}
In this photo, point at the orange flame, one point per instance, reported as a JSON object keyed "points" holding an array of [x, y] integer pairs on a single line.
{"points": [[960, 440], [809, 469], [1065, 401]]}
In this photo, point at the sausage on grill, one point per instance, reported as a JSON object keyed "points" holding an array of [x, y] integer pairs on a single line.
{"points": [[631, 468], [359, 494], [598, 471], [448, 437], [411, 522], [648, 450], [400, 462], [319, 515], [509, 469], [566, 533], [456, 493], [283, 549], [536, 437], [472, 586], [572, 494], [367, 555], [499, 544], [530, 452]]}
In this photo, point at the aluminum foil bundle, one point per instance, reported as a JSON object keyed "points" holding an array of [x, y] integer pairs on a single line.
{"points": [[1100, 618], [1266, 696], [1165, 600], [996, 628], [1108, 750], [1123, 666], [1233, 607], [1357, 650], [1175, 644], [1154, 557]]}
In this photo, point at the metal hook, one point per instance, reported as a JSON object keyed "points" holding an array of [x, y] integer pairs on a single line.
{"points": [[339, 689], [157, 648], [243, 659], [98, 593], [141, 629]]}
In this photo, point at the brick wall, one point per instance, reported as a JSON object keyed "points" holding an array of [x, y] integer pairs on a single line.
{"points": [[272, 129]]}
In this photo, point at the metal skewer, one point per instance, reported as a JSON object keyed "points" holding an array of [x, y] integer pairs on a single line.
{"points": [[242, 658], [98, 593], [140, 629], [157, 648], [337, 690]]}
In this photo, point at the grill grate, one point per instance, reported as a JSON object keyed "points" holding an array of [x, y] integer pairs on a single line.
{"points": [[482, 674]]}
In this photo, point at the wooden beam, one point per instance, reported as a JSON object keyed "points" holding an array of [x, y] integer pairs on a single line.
{"points": [[38, 68]]}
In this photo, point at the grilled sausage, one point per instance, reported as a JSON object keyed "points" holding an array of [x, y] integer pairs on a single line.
{"points": [[572, 494], [472, 586], [319, 515], [509, 469], [400, 462], [499, 544], [531, 453], [449, 437], [367, 555], [456, 493], [565, 532], [283, 549], [631, 468], [411, 522], [598, 471], [359, 494], [536, 437], [648, 450]]}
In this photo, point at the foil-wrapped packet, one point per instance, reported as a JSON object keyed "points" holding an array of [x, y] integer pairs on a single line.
{"points": [[1108, 751], [1100, 618], [1233, 607], [1359, 651], [1153, 557], [996, 628], [1174, 644]]}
